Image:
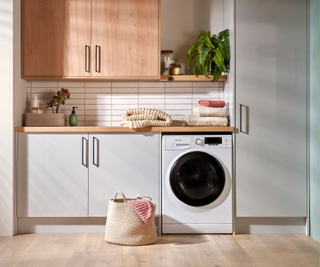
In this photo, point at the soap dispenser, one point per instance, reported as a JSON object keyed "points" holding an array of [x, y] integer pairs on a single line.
{"points": [[73, 118]]}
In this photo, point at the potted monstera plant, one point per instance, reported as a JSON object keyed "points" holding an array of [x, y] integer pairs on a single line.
{"points": [[211, 54]]}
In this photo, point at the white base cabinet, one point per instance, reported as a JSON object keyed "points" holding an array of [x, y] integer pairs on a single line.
{"points": [[75, 175], [122, 162], [52, 176]]}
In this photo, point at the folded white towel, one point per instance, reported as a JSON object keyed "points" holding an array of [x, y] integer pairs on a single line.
{"points": [[193, 120], [202, 111]]}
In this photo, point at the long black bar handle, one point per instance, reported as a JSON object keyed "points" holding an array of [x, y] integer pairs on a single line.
{"points": [[96, 151], [98, 57], [240, 118], [87, 58], [85, 155]]}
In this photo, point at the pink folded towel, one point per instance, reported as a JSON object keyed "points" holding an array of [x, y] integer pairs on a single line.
{"points": [[144, 208], [212, 103]]}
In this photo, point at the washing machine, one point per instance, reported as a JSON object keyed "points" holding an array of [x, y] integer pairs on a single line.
{"points": [[197, 184]]}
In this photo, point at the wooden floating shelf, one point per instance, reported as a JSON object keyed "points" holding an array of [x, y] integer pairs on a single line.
{"points": [[191, 78]]}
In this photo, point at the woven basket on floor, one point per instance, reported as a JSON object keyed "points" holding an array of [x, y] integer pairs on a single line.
{"points": [[125, 227], [45, 119]]}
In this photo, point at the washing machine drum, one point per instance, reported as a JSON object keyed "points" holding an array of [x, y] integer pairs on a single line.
{"points": [[197, 178]]}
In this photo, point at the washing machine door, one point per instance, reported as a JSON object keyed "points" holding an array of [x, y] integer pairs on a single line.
{"points": [[197, 178]]}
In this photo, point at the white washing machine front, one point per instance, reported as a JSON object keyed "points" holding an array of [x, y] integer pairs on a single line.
{"points": [[196, 185]]}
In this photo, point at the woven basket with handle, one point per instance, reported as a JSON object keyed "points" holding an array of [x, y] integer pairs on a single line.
{"points": [[125, 227]]}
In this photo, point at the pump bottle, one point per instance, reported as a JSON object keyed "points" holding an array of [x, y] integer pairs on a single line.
{"points": [[73, 118]]}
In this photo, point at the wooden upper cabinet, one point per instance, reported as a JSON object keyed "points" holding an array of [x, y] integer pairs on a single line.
{"points": [[126, 38], [55, 34], [91, 39]]}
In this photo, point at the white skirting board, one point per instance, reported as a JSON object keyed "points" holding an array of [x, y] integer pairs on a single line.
{"points": [[179, 228], [272, 225], [92, 225]]}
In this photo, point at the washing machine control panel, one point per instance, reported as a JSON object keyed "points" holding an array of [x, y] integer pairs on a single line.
{"points": [[212, 141]]}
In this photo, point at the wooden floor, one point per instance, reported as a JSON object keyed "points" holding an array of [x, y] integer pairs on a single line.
{"points": [[43, 250]]}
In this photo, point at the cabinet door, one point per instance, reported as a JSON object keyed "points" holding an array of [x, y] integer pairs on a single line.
{"points": [[122, 162], [126, 38], [52, 175], [55, 34], [271, 91]]}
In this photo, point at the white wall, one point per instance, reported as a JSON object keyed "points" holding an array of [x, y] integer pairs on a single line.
{"points": [[182, 19], [13, 99], [6, 118]]}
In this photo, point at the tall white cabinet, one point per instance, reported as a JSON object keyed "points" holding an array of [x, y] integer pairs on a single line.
{"points": [[271, 107], [75, 175]]}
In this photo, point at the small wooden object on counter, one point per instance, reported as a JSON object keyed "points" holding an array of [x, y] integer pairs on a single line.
{"points": [[45, 120]]}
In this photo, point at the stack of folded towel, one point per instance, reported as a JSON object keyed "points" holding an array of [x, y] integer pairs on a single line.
{"points": [[143, 117], [208, 113]]}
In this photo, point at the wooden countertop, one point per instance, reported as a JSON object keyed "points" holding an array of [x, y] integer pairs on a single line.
{"points": [[95, 129]]}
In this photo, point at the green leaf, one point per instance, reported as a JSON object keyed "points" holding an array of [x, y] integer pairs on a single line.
{"points": [[203, 54], [216, 73], [192, 56], [218, 59], [192, 47]]}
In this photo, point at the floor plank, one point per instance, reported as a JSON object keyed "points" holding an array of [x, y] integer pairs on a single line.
{"points": [[234, 253], [68, 250], [282, 252]]}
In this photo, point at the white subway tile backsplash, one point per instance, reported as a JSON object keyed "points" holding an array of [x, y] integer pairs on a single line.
{"points": [[178, 84], [70, 84], [207, 84], [130, 90], [124, 106], [177, 95], [148, 101], [179, 90], [104, 103], [98, 84], [125, 84], [151, 84], [118, 112], [98, 118], [98, 90], [180, 112], [52, 90], [98, 101], [95, 96], [125, 101], [97, 106], [151, 90], [160, 107], [124, 96], [154, 96], [117, 117], [177, 106], [178, 101], [99, 112]]}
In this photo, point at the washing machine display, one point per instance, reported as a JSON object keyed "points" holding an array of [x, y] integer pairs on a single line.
{"points": [[197, 179], [196, 184]]}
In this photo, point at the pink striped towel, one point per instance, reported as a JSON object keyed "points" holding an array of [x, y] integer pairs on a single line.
{"points": [[144, 208], [212, 103]]}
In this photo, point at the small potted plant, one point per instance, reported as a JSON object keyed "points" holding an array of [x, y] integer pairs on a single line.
{"points": [[211, 54], [59, 99]]}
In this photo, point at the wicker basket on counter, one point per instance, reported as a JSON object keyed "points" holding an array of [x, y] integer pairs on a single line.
{"points": [[45, 120]]}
